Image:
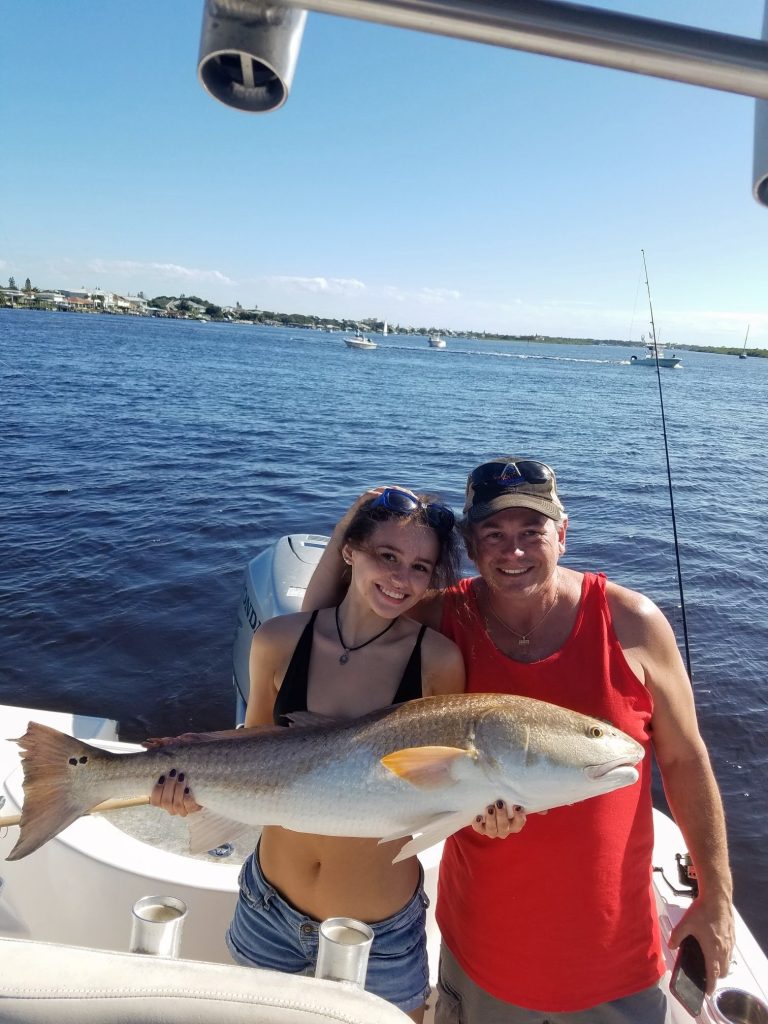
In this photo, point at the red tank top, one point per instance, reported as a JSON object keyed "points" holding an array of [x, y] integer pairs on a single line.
{"points": [[561, 916]]}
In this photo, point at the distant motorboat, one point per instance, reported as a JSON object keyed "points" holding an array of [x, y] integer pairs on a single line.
{"points": [[359, 341], [436, 341], [649, 359], [743, 353]]}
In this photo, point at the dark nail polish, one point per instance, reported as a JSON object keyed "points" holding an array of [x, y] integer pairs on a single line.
{"points": [[181, 776], [479, 818], [171, 773], [161, 780], [499, 804], [491, 809], [519, 808], [186, 791]]}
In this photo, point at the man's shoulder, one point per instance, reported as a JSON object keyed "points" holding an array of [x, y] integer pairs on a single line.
{"points": [[628, 601]]}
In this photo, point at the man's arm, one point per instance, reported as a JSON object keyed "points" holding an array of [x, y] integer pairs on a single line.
{"points": [[689, 782]]}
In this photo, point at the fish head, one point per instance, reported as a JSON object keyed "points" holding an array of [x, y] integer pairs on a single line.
{"points": [[548, 756]]}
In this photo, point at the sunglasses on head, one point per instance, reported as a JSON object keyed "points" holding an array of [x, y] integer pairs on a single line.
{"points": [[439, 517], [498, 477]]}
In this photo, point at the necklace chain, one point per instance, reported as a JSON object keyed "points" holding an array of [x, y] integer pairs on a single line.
{"points": [[348, 650], [522, 638]]}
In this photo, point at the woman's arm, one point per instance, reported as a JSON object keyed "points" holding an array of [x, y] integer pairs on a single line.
{"points": [[329, 583], [270, 647]]}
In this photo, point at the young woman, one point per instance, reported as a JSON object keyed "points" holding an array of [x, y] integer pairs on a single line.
{"points": [[343, 662]]}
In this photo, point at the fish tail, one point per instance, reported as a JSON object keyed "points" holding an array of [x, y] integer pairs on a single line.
{"points": [[58, 788]]}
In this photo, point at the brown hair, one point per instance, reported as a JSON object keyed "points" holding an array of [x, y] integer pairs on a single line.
{"points": [[366, 519]]}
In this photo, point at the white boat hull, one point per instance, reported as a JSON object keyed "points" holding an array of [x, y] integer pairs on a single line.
{"points": [[667, 361]]}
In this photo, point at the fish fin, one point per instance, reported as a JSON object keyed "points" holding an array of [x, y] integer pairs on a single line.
{"points": [[437, 830], [406, 833], [207, 830], [307, 718], [425, 767], [54, 796]]}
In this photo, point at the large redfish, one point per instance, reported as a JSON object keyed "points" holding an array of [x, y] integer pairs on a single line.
{"points": [[422, 768]]}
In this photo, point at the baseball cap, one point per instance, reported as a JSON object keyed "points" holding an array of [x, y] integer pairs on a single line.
{"points": [[510, 481]]}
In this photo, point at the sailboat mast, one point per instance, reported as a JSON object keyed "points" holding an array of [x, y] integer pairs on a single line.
{"points": [[746, 336]]}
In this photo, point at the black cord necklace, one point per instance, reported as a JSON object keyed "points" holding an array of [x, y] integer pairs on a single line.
{"points": [[348, 650]]}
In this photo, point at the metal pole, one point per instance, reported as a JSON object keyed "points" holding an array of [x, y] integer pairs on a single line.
{"points": [[573, 31]]}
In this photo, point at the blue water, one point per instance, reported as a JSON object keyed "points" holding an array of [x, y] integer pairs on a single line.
{"points": [[143, 462]]}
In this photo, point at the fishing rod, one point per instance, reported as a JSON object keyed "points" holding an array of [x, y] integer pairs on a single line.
{"points": [[669, 476]]}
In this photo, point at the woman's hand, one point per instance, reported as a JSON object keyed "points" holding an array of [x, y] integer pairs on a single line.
{"points": [[497, 822], [172, 793]]}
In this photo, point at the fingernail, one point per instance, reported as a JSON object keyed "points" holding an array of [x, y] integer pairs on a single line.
{"points": [[161, 780], [519, 808], [186, 791], [491, 809], [499, 804], [171, 773], [181, 776], [479, 818]]}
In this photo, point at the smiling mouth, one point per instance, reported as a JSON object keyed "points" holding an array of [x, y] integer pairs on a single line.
{"points": [[513, 572], [392, 594]]}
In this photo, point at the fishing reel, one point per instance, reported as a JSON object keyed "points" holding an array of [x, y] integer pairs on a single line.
{"points": [[686, 876]]}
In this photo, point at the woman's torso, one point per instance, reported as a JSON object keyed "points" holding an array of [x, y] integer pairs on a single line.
{"points": [[328, 876]]}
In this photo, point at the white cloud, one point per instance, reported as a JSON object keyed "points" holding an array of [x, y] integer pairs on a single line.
{"points": [[171, 271], [437, 296], [319, 285]]}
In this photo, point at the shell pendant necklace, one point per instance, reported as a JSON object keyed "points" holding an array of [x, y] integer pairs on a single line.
{"points": [[348, 650], [523, 639]]}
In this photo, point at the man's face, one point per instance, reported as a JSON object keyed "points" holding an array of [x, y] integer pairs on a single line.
{"points": [[517, 549]]}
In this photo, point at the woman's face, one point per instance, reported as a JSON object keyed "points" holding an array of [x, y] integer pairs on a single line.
{"points": [[393, 570]]}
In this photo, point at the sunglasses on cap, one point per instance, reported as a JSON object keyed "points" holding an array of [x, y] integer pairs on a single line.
{"points": [[498, 477], [439, 517]]}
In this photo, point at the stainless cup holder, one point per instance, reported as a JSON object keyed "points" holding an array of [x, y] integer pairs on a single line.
{"points": [[735, 1006]]}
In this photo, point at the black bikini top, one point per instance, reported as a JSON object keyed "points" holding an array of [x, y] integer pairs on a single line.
{"points": [[292, 695]]}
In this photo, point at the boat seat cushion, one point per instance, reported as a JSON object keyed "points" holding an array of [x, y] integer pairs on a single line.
{"points": [[43, 983]]}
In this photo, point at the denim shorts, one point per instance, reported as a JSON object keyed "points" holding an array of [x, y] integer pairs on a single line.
{"points": [[267, 931]]}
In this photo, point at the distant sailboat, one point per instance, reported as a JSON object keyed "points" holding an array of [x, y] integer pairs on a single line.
{"points": [[743, 353], [385, 332]]}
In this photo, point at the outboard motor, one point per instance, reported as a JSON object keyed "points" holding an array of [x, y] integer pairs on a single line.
{"points": [[274, 584], [248, 52]]}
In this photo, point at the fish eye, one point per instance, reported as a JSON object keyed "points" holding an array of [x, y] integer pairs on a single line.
{"points": [[596, 731]]}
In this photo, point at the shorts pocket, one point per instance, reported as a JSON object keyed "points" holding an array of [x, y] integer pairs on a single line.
{"points": [[448, 1004]]}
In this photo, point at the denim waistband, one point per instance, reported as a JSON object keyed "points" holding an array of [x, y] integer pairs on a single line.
{"points": [[260, 888]]}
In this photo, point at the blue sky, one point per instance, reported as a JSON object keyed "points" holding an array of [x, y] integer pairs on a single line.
{"points": [[423, 180]]}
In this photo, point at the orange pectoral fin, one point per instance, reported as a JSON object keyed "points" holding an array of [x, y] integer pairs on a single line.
{"points": [[425, 767]]}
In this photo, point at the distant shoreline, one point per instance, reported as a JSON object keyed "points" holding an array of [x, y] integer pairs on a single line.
{"points": [[424, 332]]}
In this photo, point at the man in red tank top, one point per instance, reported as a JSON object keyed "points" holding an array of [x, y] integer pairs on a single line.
{"points": [[557, 924]]}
